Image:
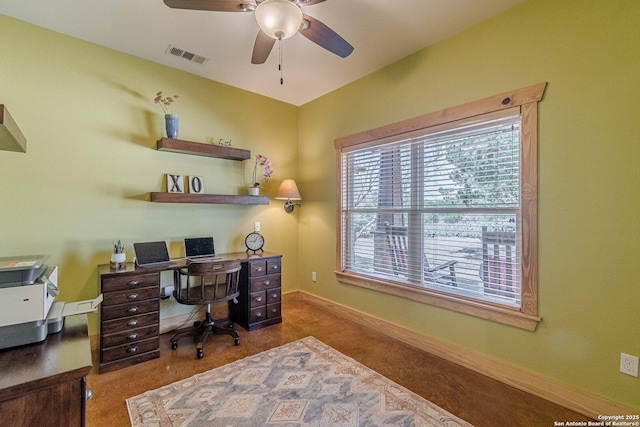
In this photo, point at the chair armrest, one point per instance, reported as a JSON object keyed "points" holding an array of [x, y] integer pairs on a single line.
{"points": [[447, 264]]}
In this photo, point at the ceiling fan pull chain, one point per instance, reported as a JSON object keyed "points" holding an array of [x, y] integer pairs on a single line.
{"points": [[280, 60]]}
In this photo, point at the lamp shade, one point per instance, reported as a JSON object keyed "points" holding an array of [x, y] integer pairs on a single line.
{"points": [[279, 19], [288, 190]]}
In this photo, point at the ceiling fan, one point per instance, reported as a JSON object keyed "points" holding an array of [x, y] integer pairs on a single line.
{"points": [[278, 20]]}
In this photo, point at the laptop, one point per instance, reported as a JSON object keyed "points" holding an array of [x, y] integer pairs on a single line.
{"points": [[151, 254], [199, 247]]}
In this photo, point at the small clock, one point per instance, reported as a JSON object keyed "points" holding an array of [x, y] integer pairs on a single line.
{"points": [[254, 242]]}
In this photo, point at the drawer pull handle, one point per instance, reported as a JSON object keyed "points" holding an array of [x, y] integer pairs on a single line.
{"points": [[132, 322], [132, 296], [258, 269], [274, 295], [133, 283], [259, 314], [266, 283], [274, 310], [132, 349], [132, 337], [259, 299], [275, 267], [133, 310]]}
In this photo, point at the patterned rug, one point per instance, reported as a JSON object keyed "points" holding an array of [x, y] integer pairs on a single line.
{"points": [[303, 383]]}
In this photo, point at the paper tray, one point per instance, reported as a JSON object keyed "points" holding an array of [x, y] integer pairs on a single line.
{"points": [[81, 307], [64, 309]]}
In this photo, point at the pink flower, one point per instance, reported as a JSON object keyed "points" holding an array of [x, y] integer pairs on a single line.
{"points": [[268, 170]]}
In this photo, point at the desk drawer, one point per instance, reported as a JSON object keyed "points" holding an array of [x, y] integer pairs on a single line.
{"points": [[274, 310], [265, 312], [131, 336], [257, 299], [265, 282], [274, 266], [110, 284], [129, 323], [127, 350], [274, 295], [258, 314], [257, 268], [130, 309], [130, 295]]}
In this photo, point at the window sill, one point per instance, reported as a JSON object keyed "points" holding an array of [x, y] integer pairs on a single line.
{"points": [[475, 308]]}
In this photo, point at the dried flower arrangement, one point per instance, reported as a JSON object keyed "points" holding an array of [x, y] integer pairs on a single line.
{"points": [[166, 103]]}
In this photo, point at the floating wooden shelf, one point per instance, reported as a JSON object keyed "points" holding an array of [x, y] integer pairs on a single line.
{"points": [[220, 199], [11, 139], [200, 149]]}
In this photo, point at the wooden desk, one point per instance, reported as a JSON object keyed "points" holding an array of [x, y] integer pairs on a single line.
{"points": [[43, 384], [130, 310]]}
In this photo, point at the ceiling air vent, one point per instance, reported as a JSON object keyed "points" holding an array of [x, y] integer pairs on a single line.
{"points": [[176, 51]]}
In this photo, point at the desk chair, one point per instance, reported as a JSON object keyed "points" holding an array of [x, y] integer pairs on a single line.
{"points": [[204, 282]]}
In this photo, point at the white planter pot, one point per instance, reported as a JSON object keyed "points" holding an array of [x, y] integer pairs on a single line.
{"points": [[118, 257], [254, 191], [118, 261]]}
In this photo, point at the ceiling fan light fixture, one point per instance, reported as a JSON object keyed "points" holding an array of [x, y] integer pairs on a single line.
{"points": [[279, 19]]}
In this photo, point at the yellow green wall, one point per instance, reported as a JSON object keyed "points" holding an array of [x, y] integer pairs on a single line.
{"points": [[91, 127], [589, 233]]}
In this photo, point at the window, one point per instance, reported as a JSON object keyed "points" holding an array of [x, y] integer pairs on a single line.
{"points": [[442, 208]]}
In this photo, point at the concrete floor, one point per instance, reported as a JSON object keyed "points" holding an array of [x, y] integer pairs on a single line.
{"points": [[473, 397]]}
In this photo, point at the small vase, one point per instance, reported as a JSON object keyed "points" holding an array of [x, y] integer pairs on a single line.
{"points": [[172, 122], [118, 261], [254, 191]]}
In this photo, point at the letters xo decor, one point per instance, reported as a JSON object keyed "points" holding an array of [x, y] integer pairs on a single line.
{"points": [[196, 185], [175, 184]]}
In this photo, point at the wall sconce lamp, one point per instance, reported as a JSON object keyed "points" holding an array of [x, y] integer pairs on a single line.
{"points": [[288, 191]]}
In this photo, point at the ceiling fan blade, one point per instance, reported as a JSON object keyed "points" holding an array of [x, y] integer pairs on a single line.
{"points": [[214, 5], [262, 48], [324, 36], [309, 2]]}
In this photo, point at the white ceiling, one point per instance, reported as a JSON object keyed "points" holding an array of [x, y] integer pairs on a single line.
{"points": [[381, 31]]}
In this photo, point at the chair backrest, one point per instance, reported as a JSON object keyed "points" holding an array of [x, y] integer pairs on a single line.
{"points": [[397, 241], [203, 282], [499, 267]]}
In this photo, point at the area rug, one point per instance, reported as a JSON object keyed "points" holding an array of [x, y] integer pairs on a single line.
{"points": [[303, 383]]}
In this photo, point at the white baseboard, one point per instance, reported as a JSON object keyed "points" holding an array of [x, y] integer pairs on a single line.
{"points": [[546, 388]]}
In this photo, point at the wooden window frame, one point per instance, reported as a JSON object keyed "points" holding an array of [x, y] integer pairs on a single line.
{"points": [[526, 316]]}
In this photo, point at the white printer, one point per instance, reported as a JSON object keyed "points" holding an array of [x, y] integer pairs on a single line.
{"points": [[28, 289]]}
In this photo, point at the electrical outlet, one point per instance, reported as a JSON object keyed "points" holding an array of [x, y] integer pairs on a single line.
{"points": [[313, 276], [256, 226], [629, 364]]}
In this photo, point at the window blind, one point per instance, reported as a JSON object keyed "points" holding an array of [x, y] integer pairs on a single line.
{"points": [[439, 208]]}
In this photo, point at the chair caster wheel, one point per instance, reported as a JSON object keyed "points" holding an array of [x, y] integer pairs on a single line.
{"points": [[237, 341], [174, 345], [200, 354]]}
